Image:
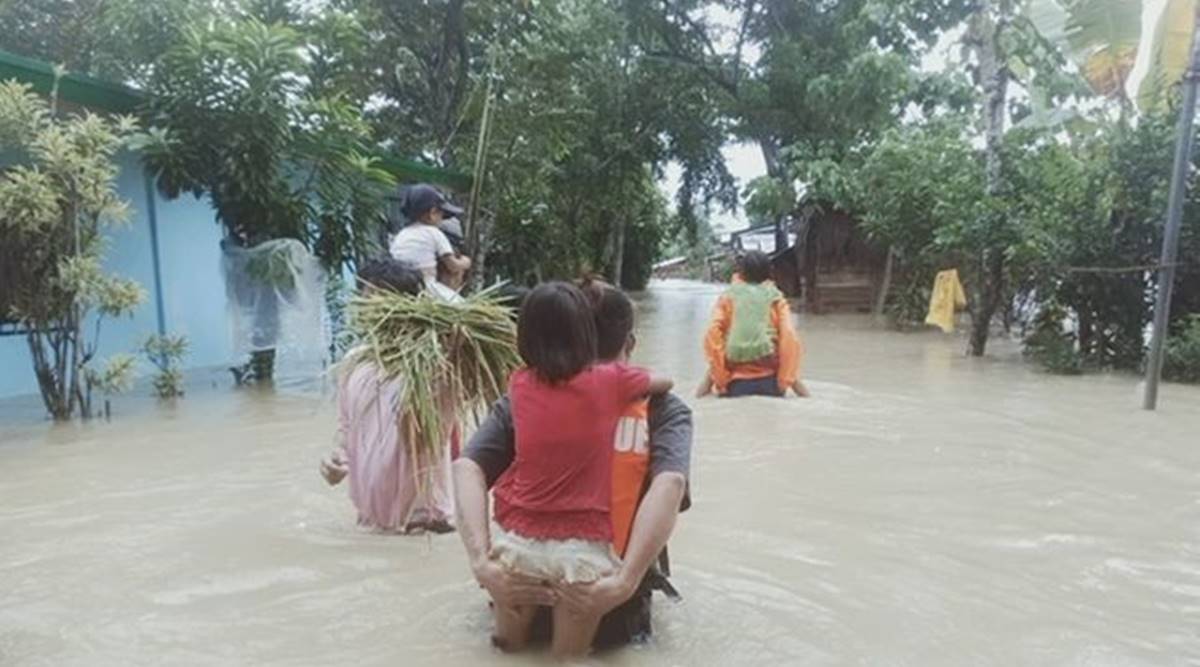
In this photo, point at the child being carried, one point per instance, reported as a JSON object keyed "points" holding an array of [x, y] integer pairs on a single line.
{"points": [[552, 505]]}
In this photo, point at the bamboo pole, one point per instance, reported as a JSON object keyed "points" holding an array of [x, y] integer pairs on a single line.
{"points": [[485, 122]]}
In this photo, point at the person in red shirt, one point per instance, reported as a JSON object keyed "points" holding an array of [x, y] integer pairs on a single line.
{"points": [[553, 504]]}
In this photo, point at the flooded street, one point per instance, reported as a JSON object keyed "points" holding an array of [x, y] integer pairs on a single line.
{"points": [[921, 509]]}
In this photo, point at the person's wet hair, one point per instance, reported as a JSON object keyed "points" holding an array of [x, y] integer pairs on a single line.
{"points": [[390, 274], [556, 332], [613, 312], [754, 267]]}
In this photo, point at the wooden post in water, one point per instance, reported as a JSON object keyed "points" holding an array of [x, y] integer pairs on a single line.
{"points": [[886, 285], [1170, 248]]}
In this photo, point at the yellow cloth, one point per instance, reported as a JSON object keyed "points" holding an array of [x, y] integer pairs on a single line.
{"points": [[947, 298]]}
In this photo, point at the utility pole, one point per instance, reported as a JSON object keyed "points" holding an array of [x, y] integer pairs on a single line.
{"points": [[1170, 249]]}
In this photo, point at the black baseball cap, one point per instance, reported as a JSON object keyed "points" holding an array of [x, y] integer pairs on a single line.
{"points": [[421, 198]]}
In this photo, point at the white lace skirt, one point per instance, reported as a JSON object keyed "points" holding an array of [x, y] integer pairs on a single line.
{"points": [[573, 561]]}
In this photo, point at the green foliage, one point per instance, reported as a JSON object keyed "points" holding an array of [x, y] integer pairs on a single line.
{"points": [[1090, 201], [1052, 348], [1109, 189], [583, 124], [166, 353], [582, 113], [908, 302], [116, 377], [113, 39], [55, 205], [643, 238], [1182, 360], [769, 198], [1077, 218], [243, 115], [272, 266], [819, 77], [1055, 353], [919, 191]]}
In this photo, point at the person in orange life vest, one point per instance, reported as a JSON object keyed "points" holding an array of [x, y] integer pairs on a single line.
{"points": [[751, 345], [652, 450]]}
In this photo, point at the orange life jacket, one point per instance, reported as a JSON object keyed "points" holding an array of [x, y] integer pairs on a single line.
{"points": [[631, 466]]}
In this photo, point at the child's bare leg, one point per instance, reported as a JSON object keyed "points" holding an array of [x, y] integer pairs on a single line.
{"points": [[706, 386], [512, 627], [573, 634]]}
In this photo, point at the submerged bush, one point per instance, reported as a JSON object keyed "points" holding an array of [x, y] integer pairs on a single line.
{"points": [[1182, 360], [1054, 350], [908, 304], [1055, 353], [167, 353]]}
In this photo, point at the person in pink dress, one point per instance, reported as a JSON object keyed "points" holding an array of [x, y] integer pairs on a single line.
{"points": [[395, 487]]}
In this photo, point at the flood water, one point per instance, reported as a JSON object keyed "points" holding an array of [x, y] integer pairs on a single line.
{"points": [[921, 509]]}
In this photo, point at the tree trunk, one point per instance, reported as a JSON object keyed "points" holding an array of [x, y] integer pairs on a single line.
{"points": [[993, 71], [49, 383], [770, 152], [987, 301], [886, 285], [617, 266], [798, 257]]}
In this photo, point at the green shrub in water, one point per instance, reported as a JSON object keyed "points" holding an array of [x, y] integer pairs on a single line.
{"points": [[1055, 353], [166, 353], [1182, 360], [1051, 348], [908, 304]]}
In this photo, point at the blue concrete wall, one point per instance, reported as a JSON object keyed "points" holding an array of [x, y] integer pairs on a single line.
{"points": [[193, 292], [193, 287]]}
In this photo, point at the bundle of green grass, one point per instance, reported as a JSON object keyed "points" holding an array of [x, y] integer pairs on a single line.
{"points": [[459, 352]]}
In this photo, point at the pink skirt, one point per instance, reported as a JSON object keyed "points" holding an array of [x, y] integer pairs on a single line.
{"points": [[393, 487]]}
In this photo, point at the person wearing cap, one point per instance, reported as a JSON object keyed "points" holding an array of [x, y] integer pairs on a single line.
{"points": [[424, 245]]}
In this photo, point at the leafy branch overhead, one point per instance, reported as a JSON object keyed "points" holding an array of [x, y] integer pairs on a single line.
{"points": [[240, 114]]}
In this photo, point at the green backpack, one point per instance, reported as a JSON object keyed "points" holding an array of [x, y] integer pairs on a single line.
{"points": [[751, 337]]}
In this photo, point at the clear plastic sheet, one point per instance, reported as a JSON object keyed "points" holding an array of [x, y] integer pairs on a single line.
{"points": [[275, 295]]}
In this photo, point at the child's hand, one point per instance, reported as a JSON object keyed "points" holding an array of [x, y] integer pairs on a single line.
{"points": [[334, 470]]}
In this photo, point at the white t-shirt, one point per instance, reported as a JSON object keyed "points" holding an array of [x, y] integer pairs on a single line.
{"points": [[421, 246]]}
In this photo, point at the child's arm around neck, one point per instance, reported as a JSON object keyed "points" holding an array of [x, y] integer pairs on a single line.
{"points": [[659, 385]]}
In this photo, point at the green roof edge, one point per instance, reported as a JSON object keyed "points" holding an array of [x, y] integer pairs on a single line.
{"points": [[77, 88], [118, 98]]}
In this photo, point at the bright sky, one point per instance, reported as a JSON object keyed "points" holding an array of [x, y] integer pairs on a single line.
{"points": [[746, 163]]}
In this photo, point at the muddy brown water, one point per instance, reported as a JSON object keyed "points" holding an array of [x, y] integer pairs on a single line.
{"points": [[921, 509]]}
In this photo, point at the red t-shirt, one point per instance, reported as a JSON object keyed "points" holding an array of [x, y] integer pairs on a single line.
{"points": [[559, 485]]}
